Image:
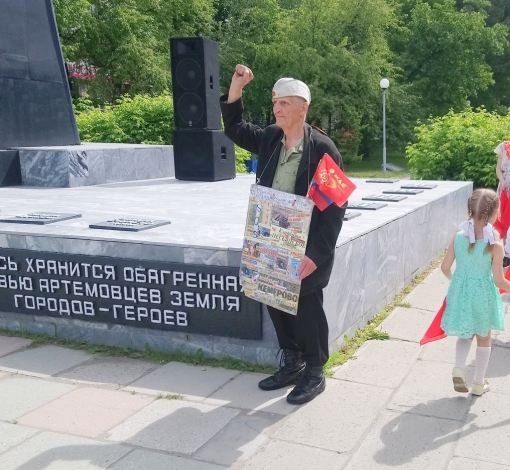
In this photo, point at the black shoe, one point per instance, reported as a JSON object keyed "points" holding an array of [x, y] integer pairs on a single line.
{"points": [[291, 370], [506, 261], [311, 384]]}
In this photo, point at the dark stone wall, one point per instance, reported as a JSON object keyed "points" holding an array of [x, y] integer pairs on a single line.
{"points": [[10, 171], [35, 101]]}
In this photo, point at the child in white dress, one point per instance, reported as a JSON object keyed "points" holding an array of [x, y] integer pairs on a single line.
{"points": [[503, 172]]}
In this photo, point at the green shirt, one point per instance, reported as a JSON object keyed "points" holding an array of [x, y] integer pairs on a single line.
{"points": [[286, 171]]}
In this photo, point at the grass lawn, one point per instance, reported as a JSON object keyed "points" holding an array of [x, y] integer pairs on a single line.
{"points": [[372, 168]]}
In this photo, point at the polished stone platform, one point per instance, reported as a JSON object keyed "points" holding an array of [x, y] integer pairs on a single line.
{"points": [[377, 253], [94, 163]]}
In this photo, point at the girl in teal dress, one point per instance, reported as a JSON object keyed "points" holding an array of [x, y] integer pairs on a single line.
{"points": [[473, 302]]}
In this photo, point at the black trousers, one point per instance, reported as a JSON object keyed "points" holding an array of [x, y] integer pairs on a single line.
{"points": [[307, 331]]}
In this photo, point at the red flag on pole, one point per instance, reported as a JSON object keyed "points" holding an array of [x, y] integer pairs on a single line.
{"points": [[329, 184]]}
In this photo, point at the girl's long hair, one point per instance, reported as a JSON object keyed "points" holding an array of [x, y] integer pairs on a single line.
{"points": [[482, 204]]}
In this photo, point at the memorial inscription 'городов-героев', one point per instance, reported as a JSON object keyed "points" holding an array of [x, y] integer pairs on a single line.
{"points": [[148, 294]]}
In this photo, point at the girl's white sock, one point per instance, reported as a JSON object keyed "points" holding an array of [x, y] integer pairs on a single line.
{"points": [[461, 352], [482, 361]]}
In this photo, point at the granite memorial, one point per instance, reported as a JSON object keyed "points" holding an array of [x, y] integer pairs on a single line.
{"points": [[35, 101], [50, 275], [39, 140]]}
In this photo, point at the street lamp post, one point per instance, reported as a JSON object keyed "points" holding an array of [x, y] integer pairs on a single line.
{"points": [[384, 84]]}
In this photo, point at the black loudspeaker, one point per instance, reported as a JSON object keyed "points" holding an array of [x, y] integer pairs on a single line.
{"points": [[203, 155], [195, 83]]}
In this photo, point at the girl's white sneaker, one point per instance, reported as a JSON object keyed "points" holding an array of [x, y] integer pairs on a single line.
{"points": [[477, 389]]}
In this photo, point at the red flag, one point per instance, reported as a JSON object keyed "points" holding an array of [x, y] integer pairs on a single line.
{"points": [[435, 331], [329, 184]]}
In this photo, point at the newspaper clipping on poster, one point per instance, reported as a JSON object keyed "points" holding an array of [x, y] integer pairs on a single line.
{"points": [[274, 245]]}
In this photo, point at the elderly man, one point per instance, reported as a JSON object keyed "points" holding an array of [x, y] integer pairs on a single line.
{"points": [[289, 153]]}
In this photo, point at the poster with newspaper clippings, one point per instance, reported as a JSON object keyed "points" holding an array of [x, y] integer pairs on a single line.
{"points": [[274, 245]]}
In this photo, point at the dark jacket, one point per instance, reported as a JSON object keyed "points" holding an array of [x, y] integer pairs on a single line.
{"points": [[266, 143]]}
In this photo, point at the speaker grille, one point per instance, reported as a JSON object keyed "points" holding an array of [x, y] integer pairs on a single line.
{"points": [[195, 83], [190, 108], [197, 159], [189, 74]]}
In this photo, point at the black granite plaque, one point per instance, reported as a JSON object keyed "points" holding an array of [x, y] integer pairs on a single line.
{"points": [[40, 218], [403, 191], [382, 180], [351, 215], [419, 186], [147, 294], [384, 197], [129, 224], [366, 206]]}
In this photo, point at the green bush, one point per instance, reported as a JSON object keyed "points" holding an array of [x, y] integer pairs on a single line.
{"points": [[142, 119], [139, 120], [241, 156], [459, 146]]}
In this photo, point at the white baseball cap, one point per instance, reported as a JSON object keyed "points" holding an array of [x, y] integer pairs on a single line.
{"points": [[291, 87]]}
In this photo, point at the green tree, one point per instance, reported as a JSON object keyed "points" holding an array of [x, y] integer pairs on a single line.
{"points": [[443, 51], [122, 43], [117, 38], [128, 40], [245, 29], [337, 47], [73, 18], [497, 96], [176, 18], [350, 56]]}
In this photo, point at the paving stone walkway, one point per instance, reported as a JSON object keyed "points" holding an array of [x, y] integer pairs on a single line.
{"points": [[392, 406]]}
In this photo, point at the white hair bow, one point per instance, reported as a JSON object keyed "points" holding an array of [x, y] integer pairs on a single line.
{"points": [[488, 234], [469, 230]]}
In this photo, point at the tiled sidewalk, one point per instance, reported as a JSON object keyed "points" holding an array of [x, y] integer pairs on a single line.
{"points": [[392, 406]]}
